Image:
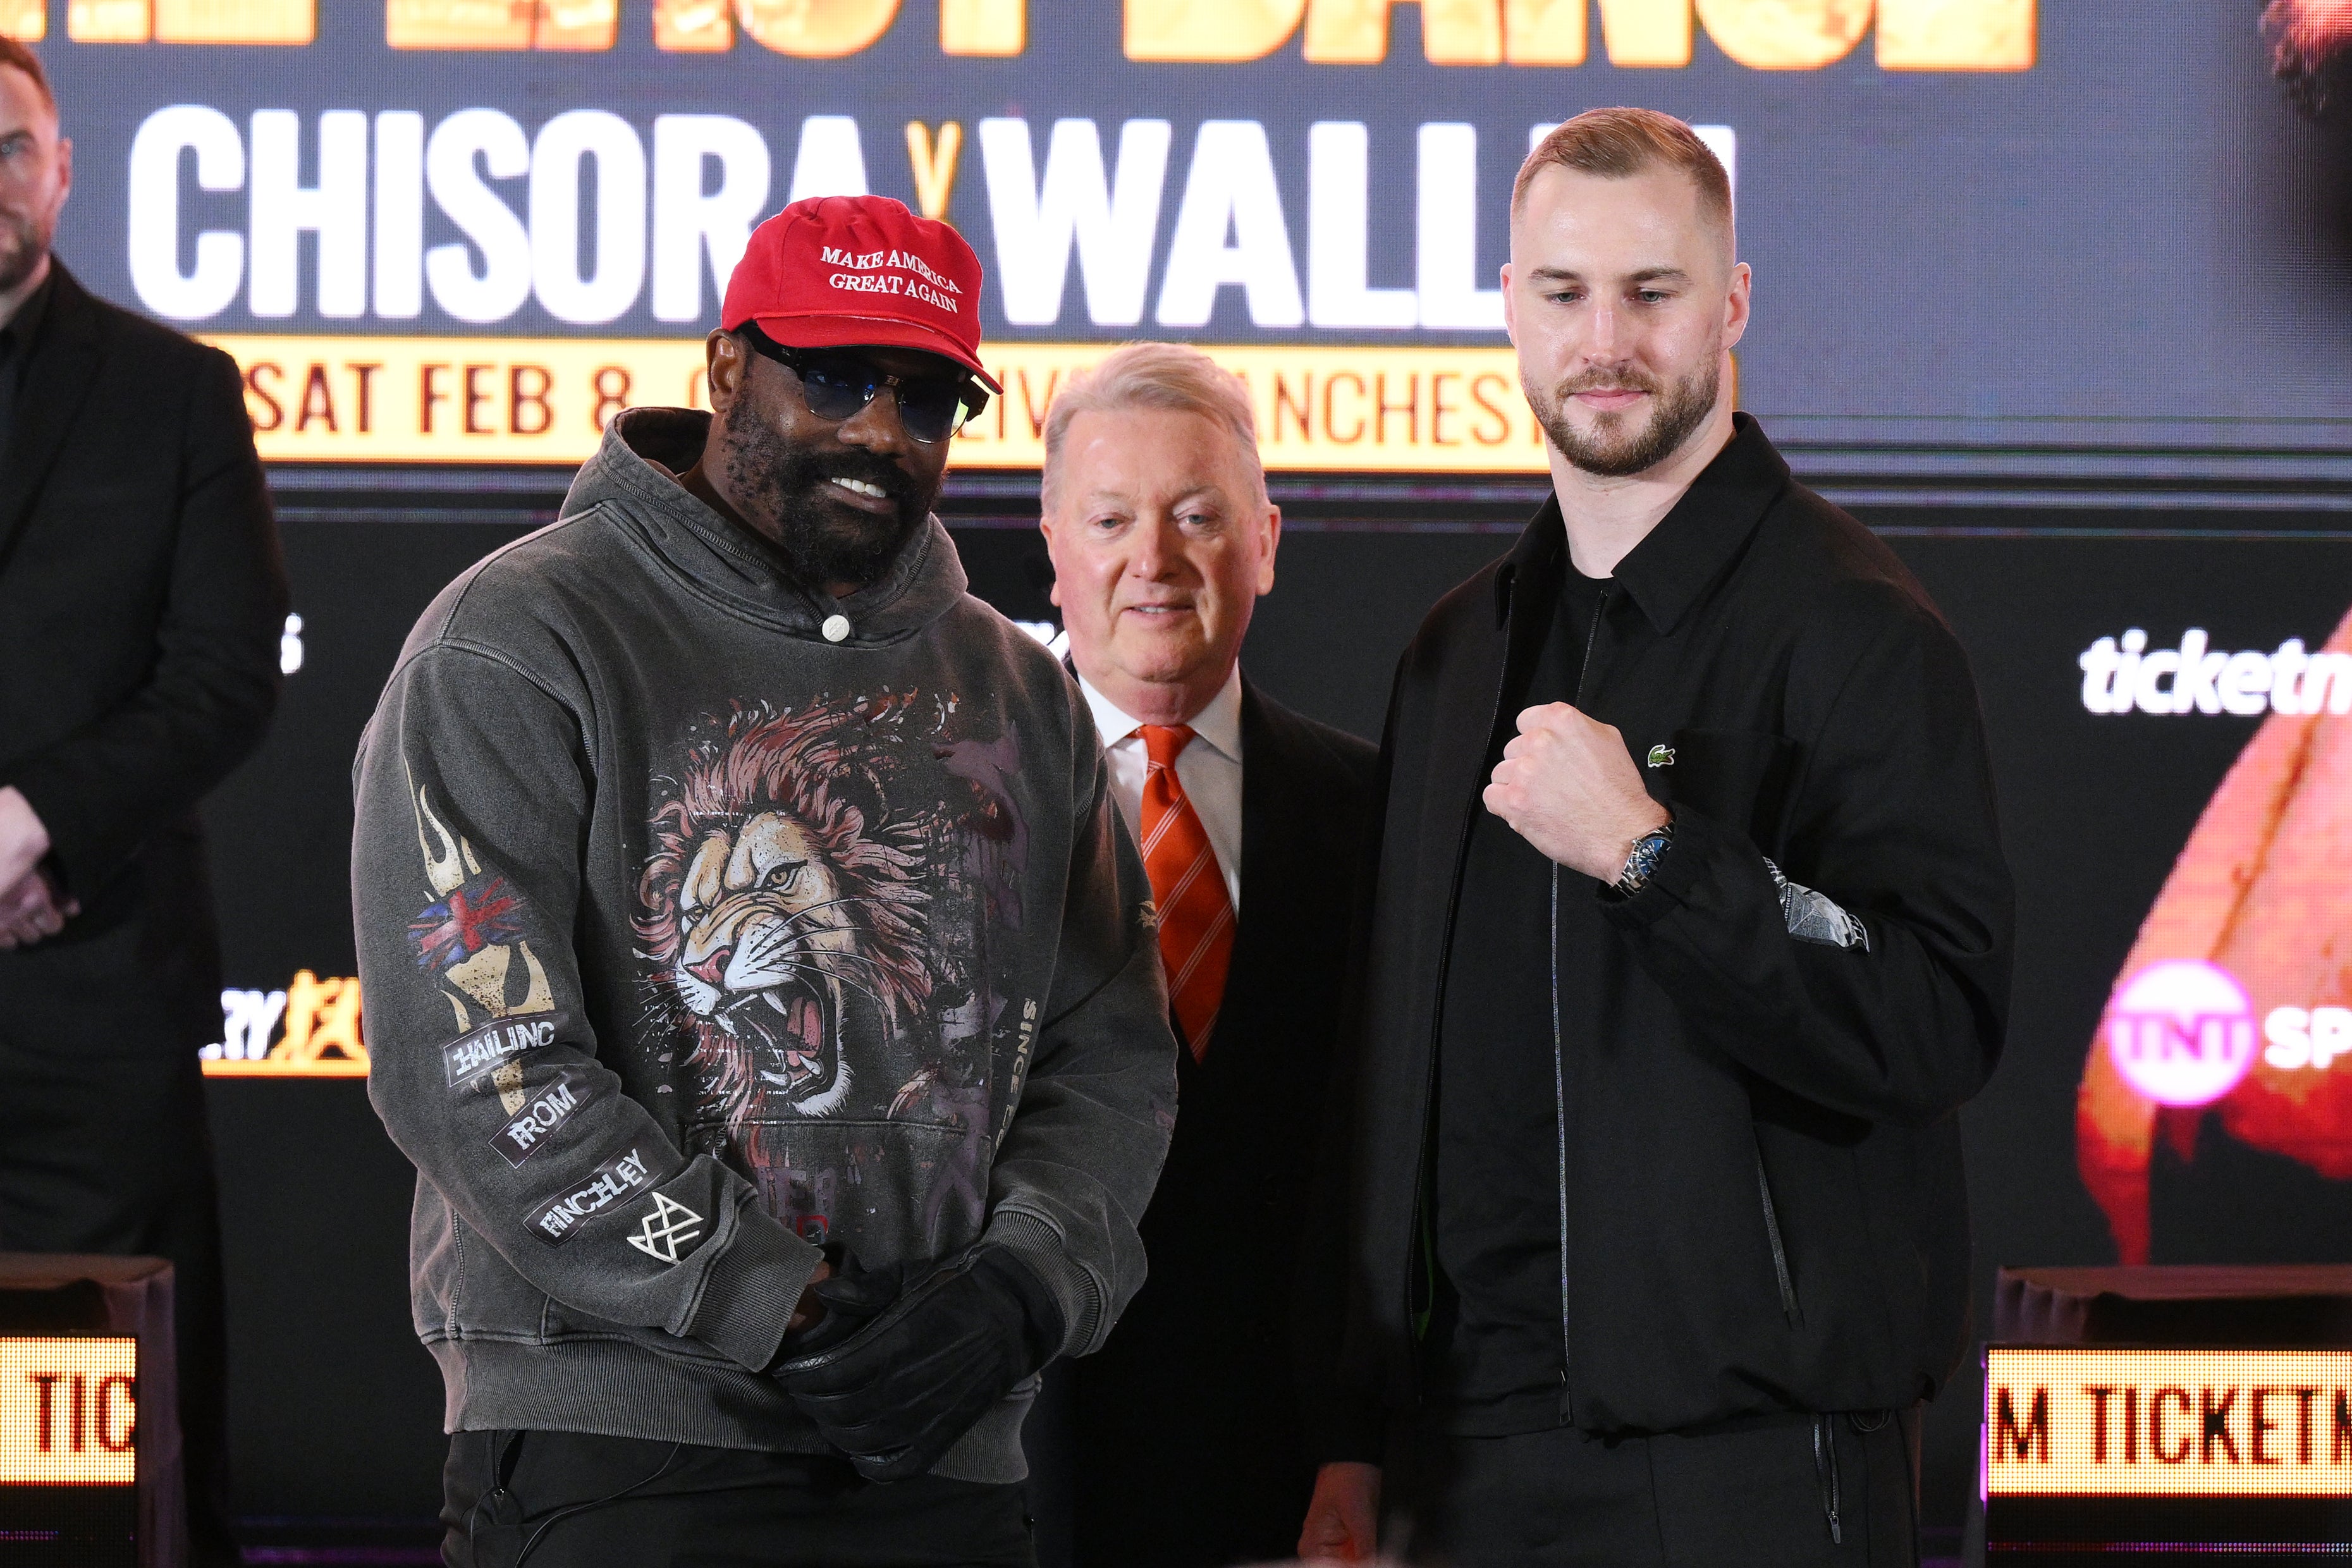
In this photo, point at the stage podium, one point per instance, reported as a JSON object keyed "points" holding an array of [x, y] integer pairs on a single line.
{"points": [[91, 1474], [2178, 1415]]}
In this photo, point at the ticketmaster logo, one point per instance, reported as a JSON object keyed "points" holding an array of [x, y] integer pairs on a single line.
{"points": [[2124, 674]]}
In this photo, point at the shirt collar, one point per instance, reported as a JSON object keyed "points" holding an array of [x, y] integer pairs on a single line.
{"points": [[1665, 574], [1219, 724]]}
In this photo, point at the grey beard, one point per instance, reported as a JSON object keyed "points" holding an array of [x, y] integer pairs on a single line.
{"points": [[1683, 408]]}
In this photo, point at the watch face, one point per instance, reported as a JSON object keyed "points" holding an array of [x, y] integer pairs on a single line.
{"points": [[1643, 859]]}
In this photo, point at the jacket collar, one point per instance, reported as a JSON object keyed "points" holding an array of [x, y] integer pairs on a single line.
{"points": [[644, 447], [1665, 574], [59, 363], [21, 330]]}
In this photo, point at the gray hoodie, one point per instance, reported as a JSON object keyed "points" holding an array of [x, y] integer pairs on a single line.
{"points": [[702, 923]]}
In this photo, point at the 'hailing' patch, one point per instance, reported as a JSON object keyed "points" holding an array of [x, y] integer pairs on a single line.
{"points": [[470, 1056]]}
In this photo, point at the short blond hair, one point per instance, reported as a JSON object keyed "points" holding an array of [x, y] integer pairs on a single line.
{"points": [[1169, 376], [1619, 144]]}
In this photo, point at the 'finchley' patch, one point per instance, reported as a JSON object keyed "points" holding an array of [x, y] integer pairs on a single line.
{"points": [[611, 1182]]}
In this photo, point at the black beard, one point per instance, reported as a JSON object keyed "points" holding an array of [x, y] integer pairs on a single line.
{"points": [[22, 246], [1676, 411], [818, 541]]}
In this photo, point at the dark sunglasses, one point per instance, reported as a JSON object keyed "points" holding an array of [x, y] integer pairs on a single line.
{"points": [[837, 383]]}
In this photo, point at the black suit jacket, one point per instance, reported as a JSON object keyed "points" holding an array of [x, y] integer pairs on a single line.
{"points": [[1188, 1434], [142, 601]]}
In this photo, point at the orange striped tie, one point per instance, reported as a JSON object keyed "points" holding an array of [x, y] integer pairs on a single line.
{"points": [[1196, 917]]}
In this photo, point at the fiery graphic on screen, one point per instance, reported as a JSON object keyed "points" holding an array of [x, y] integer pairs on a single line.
{"points": [[2102, 1421], [322, 1034], [1766, 35], [2257, 897], [68, 1411]]}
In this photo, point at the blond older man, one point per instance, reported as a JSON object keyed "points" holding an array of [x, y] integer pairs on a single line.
{"points": [[1187, 1446]]}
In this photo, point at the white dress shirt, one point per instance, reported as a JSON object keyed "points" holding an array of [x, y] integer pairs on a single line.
{"points": [[1210, 769]]}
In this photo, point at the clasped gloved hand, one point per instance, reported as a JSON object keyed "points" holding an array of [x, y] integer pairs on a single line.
{"points": [[919, 1365]]}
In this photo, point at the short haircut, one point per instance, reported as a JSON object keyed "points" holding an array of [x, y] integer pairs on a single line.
{"points": [[1154, 375], [13, 53], [1619, 144]]}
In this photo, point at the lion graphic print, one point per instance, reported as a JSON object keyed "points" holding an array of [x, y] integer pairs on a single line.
{"points": [[815, 915]]}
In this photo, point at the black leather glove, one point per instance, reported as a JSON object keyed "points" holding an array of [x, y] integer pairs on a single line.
{"points": [[852, 1295], [924, 1363]]}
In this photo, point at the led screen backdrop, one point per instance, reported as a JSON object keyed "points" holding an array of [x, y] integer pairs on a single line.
{"points": [[1994, 241], [454, 231]]}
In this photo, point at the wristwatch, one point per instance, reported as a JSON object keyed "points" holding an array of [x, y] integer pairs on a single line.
{"points": [[1642, 862]]}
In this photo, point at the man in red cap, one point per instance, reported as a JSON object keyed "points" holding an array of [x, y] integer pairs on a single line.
{"points": [[757, 972]]}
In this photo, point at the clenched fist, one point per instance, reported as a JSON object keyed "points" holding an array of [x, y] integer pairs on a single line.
{"points": [[1567, 785]]}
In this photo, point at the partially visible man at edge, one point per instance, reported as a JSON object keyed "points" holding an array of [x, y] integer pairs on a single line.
{"points": [[142, 600], [1682, 1241], [738, 900], [1187, 1449]]}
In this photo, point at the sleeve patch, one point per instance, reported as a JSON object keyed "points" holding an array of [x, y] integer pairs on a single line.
{"points": [[1816, 917], [484, 911], [527, 1130], [470, 1056], [558, 1220], [669, 1233]]}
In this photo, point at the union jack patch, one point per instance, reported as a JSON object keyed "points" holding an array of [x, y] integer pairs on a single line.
{"points": [[485, 912]]}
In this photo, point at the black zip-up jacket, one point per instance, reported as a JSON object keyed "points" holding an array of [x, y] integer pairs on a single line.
{"points": [[1762, 1201]]}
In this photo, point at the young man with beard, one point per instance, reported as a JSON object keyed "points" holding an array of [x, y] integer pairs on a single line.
{"points": [[142, 600], [758, 972], [1691, 936]]}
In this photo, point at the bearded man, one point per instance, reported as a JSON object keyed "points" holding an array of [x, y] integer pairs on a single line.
{"points": [[1691, 936], [142, 601], [758, 973]]}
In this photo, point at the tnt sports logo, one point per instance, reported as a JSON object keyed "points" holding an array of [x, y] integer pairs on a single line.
{"points": [[2182, 1032], [669, 1232]]}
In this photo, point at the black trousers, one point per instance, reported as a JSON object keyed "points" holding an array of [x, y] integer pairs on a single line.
{"points": [[1757, 1497], [567, 1500], [104, 1148]]}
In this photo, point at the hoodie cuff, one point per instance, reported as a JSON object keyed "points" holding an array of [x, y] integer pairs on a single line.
{"points": [[1039, 1244], [749, 1293]]}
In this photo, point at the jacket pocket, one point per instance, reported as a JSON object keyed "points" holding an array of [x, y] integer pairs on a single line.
{"points": [[1779, 1249], [1739, 778]]}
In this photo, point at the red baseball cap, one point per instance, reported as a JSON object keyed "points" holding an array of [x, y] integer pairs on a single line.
{"points": [[844, 271]]}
